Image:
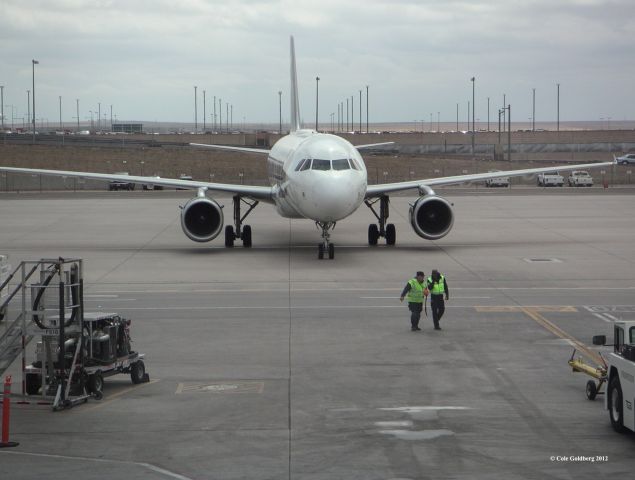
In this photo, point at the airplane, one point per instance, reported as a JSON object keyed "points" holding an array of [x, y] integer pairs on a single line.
{"points": [[316, 176]]}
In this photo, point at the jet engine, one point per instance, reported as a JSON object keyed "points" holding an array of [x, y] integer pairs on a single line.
{"points": [[202, 219], [431, 217]]}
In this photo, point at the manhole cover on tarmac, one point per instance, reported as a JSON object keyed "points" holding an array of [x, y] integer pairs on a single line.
{"points": [[221, 387]]}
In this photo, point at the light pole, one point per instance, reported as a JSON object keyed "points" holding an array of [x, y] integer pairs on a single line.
{"points": [[111, 118], [533, 110], [488, 114], [367, 109], [28, 106], [231, 118], [346, 113], [473, 110], [558, 106], [98, 115], [77, 106], [220, 115], [195, 112], [61, 126], [214, 113], [352, 114], [360, 111], [204, 111], [317, 89], [280, 112], [33, 64], [457, 117], [2, 105]]}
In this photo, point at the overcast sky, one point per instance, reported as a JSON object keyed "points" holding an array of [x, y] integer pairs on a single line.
{"points": [[145, 56]]}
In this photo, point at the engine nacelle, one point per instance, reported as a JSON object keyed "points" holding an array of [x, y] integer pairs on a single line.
{"points": [[431, 217], [202, 219]]}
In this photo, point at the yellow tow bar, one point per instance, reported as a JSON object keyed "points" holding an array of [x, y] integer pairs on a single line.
{"points": [[599, 373]]}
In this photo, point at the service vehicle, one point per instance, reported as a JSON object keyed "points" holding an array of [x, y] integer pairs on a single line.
{"points": [[620, 375], [151, 186], [580, 178], [105, 350], [120, 184], [625, 159], [498, 181], [550, 179]]}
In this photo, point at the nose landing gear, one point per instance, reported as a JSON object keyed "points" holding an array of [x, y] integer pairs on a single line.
{"points": [[326, 247]]}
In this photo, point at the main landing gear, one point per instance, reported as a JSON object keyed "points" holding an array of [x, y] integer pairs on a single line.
{"points": [[326, 247], [382, 230], [238, 230]]}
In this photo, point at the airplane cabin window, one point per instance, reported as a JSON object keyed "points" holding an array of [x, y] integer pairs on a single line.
{"points": [[341, 164], [321, 165], [306, 165]]}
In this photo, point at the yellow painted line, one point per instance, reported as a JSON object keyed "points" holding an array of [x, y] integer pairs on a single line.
{"points": [[114, 396], [534, 311], [558, 332]]}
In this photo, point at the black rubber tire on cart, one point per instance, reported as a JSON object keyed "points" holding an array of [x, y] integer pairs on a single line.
{"points": [[320, 251], [33, 382], [616, 406], [137, 372], [331, 251], [591, 390], [229, 236], [96, 383]]}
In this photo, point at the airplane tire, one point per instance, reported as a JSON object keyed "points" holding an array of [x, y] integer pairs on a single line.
{"points": [[331, 251], [320, 251], [247, 236], [391, 234], [373, 234], [229, 236], [616, 407]]}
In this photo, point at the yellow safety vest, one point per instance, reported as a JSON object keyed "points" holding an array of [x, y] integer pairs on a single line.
{"points": [[437, 288], [415, 295]]}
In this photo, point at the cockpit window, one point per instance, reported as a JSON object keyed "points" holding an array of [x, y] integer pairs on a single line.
{"points": [[306, 164], [341, 164], [321, 165], [301, 164], [354, 164]]}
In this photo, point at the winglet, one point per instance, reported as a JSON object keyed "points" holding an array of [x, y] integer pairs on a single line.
{"points": [[295, 105]]}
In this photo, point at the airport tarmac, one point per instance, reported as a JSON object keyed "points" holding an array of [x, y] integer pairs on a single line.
{"points": [[267, 363]]}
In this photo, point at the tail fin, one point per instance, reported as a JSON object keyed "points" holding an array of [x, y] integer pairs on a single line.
{"points": [[295, 104]]}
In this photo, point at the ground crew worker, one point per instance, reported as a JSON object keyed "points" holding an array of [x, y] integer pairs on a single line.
{"points": [[438, 287], [416, 291]]}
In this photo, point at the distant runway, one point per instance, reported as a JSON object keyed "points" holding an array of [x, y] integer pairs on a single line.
{"points": [[267, 363]]}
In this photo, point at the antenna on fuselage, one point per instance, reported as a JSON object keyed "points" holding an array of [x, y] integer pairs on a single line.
{"points": [[295, 104]]}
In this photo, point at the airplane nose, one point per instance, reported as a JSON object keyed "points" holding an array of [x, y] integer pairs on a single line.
{"points": [[335, 196]]}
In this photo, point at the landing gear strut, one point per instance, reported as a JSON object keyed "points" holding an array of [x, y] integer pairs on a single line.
{"points": [[238, 230], [326, 247], [382, 230]]}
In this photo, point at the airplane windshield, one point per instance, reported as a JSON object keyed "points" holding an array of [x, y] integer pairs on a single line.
{"points": [[321, 165], [303, 165], [354, 164], [341, 164]]}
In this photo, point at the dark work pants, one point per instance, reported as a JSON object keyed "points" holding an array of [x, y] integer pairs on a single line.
{"points": [[415, 313], [438, 308]]}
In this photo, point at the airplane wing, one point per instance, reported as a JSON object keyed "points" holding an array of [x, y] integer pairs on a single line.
{"points": [[380, 189], [372, 145], [252, 191], [232, 149]]}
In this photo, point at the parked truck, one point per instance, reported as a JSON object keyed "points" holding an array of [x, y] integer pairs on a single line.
{"points": [[550, 179]]}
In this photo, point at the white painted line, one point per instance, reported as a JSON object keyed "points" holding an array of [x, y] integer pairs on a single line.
{"points": [[601, 317], [422, 408], [455, 297], [100, 296], [148, 466], [612, 317]]}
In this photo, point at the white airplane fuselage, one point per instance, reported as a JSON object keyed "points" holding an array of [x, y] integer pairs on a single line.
{"points": [[317, 176]]}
